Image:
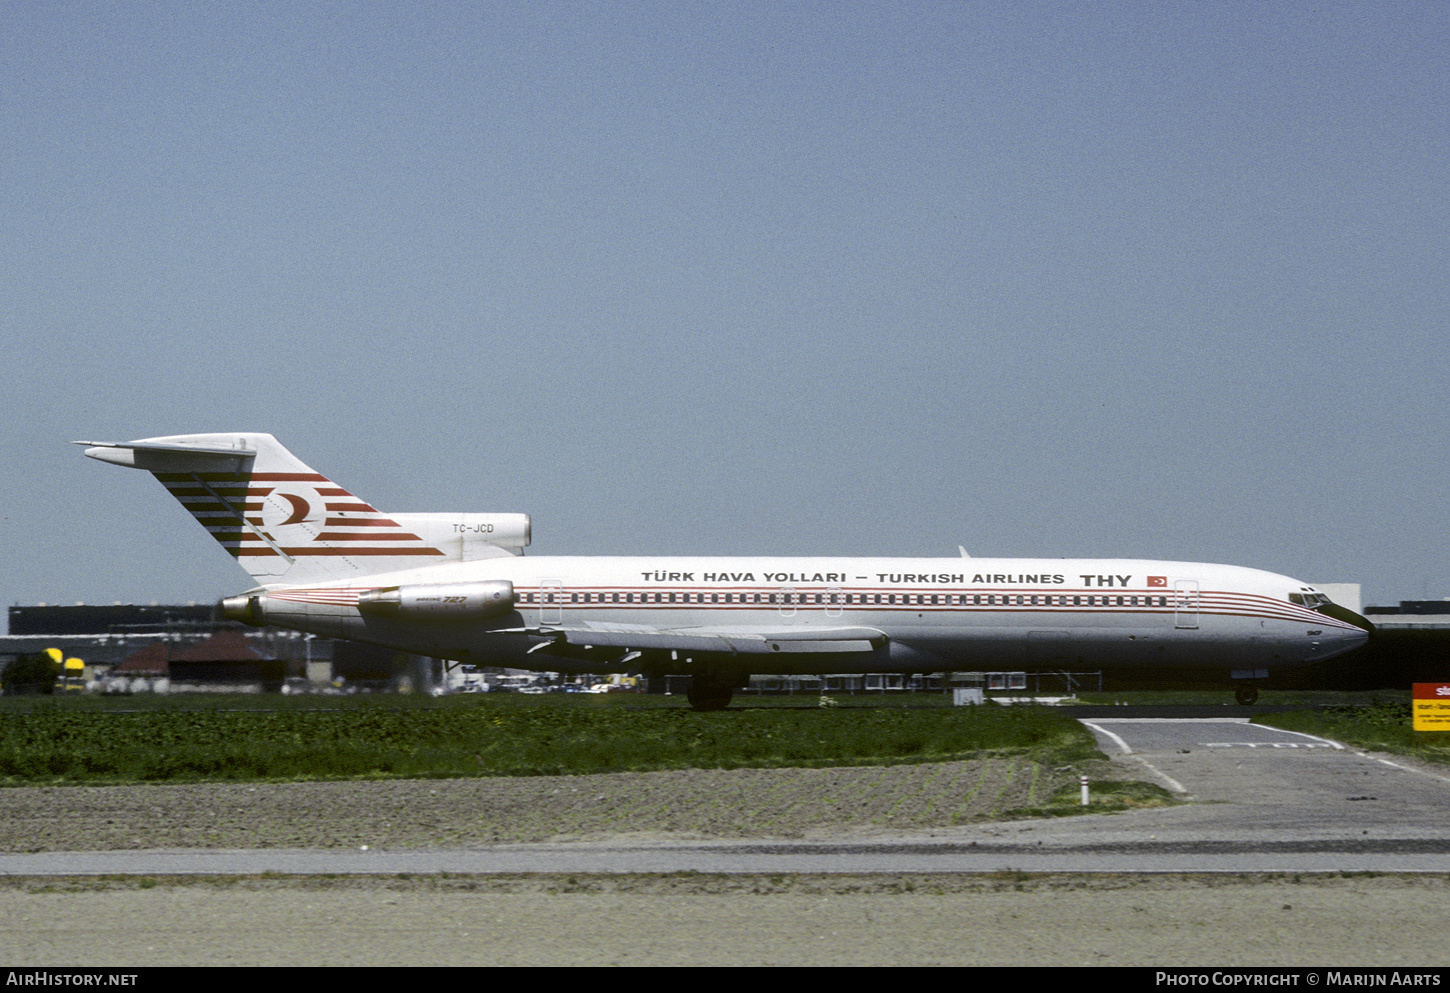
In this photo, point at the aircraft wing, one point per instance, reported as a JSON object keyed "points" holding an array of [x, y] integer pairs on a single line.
{"points": [[725, 640]]}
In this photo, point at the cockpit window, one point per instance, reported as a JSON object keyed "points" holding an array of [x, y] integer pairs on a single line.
{"points": [[1309, 599]]}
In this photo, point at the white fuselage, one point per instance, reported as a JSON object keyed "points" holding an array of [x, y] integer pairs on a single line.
{"points": [[332, 564], [933, 614]]}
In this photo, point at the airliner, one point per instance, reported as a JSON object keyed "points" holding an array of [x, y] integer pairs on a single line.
{"points": [[457, 586]]}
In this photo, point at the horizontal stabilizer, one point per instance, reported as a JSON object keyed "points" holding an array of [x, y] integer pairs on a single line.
{"points": [[170, 457]]}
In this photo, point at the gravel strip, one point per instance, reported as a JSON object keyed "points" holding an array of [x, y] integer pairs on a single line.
{"points": [[1173, 923], [688, 804]]}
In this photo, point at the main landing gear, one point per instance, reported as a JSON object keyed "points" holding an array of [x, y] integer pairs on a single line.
{"points": [[711, 689], [708, 697], [1246, 695]]}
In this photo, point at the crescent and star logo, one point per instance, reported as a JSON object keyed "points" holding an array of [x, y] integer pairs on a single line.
{"points": [[296, 510]]}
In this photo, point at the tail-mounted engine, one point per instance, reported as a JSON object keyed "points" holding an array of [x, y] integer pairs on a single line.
{"points": [[440, 601]]}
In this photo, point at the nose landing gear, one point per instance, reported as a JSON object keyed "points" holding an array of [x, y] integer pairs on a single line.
{"points": [[1246, 684]]}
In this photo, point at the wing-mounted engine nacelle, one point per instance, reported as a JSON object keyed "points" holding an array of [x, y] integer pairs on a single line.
{"points": [[440, 601]]}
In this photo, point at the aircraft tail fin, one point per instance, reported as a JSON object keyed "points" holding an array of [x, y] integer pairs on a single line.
{"points": [[279, 518]]}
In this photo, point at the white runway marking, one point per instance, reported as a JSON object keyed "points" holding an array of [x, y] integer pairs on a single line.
{"points": [[1269, 744], [1311, 737], [1095, 725], [1173, 785], [1409, 768], [1165, 720]]}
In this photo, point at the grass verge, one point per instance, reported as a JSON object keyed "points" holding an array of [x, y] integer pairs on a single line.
{"points": [[1105, 796], [1383, 727], [347, 738]]}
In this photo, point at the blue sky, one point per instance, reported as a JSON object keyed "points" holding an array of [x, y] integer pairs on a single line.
{"points": [[1161, 280]]}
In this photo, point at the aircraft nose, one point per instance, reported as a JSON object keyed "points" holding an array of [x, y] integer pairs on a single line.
{"points": [[1346, 615]]}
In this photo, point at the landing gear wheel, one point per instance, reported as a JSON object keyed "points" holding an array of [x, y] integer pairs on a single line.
{"points": [[1246, 695], [708, 697]]}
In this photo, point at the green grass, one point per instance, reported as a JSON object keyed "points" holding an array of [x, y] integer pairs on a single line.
{"points": [[1104, 796], [1381, 727], [93, 740]]}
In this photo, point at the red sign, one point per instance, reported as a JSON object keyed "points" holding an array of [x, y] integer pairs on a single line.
{"points": [[1431, 706]]}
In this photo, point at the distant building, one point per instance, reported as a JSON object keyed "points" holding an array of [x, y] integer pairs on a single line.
{"points": [[113, 619], [1411, 643], [192, 647], [1423, 615], [1344, 594], [153, 660]]}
